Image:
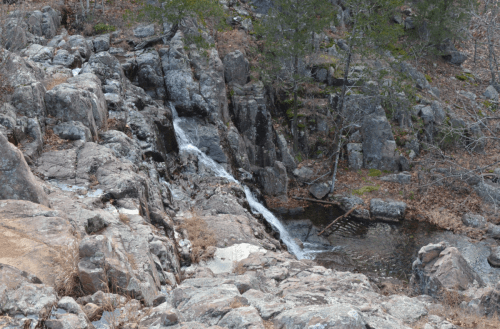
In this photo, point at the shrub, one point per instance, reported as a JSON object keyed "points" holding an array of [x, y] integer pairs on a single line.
{"points": [[366, 189], [374, 173], [201, 237], [101, 28]]}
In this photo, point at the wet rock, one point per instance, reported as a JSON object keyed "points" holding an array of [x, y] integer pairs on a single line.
{"points": [[438, 267], [389, 210], [236, 68], [16, 179], [73, 130], [274, 180], [319, 190], [355, 155], [402, 178], [476, 221]]}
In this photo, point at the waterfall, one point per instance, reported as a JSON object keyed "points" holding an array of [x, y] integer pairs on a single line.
{"points": [[186, 145]]}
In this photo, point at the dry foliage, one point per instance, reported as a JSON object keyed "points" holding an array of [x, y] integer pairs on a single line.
{"points": [[124, 218], [236, 303], [239, 268], [56, 80], [51, 141], [68, 281], [201, 237], [268, 324], [93, 181]]}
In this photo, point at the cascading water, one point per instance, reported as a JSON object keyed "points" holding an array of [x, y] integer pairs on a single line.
{"points": [[186, 145]]}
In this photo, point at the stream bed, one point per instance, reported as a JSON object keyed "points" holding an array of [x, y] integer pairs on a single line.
{"points": [[370, 247]]}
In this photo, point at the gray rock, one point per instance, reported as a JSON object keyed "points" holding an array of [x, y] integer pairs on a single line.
{"points": [[389, 210], [287, 158], [247, 24], [476, 221], [102, 43], [236, 68], [303, 174], [274, 180], [494, 257], [438, 267], [379, 147], [150, 74], [16, 179], [51, 20], [427, 115], [402, 178], [254, 122], [319, 190], [144, 31], [355, 155], [64, 58], [420, 79], [123, 145], [205, 137], [242, 317], [73, 130], [336, 315], [68, 103], [95, 224], [105, 66], [493, 230], [410, 310], [356, 137], [23, 294], [439, 113], [262, 6], [491, 93], [78, 43], [39, 53]]}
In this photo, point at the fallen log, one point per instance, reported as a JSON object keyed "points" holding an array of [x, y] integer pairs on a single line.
{"points": [[314, 200], [339, 218]]}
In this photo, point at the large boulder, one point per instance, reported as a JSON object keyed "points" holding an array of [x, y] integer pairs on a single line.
{"points": [[254, 123], [379, 147], [388, 210], [274, 180], [441, 267], [68, 103], [37, 239], [16, 179], [23, 298], [150, 74], [236, 68]]}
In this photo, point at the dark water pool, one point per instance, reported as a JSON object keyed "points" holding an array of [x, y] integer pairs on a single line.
{"points": [[386, 249]]}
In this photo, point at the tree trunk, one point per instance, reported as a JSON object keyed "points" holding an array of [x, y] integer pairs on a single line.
{"points": [[295, 130], [340, 109]]}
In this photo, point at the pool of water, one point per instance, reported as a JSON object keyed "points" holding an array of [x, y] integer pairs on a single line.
{"points": [[386, 249]]}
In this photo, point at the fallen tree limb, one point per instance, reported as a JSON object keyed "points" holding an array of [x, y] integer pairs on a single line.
{"points": [[339, 218], [314, 200]]}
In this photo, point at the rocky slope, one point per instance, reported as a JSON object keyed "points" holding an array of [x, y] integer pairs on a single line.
{"points": [[107, 193]]}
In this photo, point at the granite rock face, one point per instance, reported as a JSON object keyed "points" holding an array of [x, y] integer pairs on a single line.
{"points": [[16, 179]]}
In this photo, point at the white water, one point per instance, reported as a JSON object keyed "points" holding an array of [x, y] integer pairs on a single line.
{"points": [[186, 145]]}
